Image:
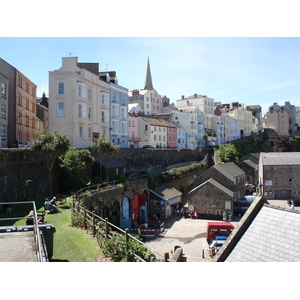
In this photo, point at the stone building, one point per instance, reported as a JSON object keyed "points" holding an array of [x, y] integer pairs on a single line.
{"points": [[229, 175], [249, 164], [279, 175], [211, 198]]}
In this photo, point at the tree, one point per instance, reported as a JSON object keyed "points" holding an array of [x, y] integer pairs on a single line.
{"points": [[227, 153], [54, 145], [104, 148], [282, 144], [73, 162]]}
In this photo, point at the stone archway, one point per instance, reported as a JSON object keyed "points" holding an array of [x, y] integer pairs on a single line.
{"points": [[115, 214], [105, 212]]}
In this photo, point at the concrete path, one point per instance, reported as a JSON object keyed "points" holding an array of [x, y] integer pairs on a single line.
{"points": [[189, 234]]}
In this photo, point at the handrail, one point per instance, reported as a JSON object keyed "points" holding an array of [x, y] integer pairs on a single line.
{"points": [[37, 236], [121, 231]]}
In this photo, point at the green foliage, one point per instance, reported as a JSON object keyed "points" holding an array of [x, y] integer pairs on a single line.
{"points": [[181, 172], [51, 142], [296, 141], [227, 153], [120, 178], [73, 162], [115, 248], [54, 144]]}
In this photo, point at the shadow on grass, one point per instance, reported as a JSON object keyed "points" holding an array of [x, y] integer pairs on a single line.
{"points": [[58, 260]]}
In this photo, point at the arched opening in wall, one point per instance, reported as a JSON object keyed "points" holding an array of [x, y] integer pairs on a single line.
{"points": [[126, 218], [105, 212], [115, 214]]}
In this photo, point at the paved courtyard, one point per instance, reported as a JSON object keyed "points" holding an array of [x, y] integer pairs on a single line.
{"points": [[190, 235]]}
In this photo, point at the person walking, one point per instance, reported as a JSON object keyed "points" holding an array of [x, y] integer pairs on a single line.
{"points": [[292, 205]]}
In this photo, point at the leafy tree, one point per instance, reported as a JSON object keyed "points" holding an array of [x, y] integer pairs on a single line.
{"points": [[104, 149], [73, 162], [54, 145], [282, 144], [227, 153]]}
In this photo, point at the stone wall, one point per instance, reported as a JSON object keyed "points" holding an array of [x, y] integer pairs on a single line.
{"points": [[23, 175], [151, 159]]}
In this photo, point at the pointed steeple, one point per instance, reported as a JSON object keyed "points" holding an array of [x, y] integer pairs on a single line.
{"points": [[148, 81]]}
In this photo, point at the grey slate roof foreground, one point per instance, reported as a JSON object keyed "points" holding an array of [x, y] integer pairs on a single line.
{"points": [[277, 158], [271, 235]]}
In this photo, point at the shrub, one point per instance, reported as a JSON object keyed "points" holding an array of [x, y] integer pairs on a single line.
{"points": [[115, 248]]}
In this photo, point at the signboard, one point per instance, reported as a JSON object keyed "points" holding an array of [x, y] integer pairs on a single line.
{"points": [[268, 182], [227, 205]]}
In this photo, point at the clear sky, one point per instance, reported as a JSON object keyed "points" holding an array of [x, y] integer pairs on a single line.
{"points": [[248, 70], [251, 64]]}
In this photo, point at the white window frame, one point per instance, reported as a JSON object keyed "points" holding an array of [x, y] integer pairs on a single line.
{"points": [[81, 91], [61, 109], [61, 88], [81, 111]]}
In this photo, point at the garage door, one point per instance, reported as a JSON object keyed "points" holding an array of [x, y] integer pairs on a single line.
{"points": [[283, 194]]}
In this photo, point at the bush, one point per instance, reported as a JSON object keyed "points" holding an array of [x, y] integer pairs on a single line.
{"points": [[115, 248]]}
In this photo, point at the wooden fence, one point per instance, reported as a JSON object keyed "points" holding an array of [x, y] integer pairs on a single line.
{"points": [[102, 230]]}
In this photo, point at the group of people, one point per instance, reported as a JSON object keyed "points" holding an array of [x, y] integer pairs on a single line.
{"points": [[51, 205]]}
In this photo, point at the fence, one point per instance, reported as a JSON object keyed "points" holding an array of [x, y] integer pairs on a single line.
{"points": [[102, 230]]}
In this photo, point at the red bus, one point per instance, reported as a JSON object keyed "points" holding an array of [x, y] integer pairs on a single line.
{"points": [[218, 229]]}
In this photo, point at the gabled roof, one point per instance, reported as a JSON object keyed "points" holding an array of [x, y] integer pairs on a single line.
{"points": [[265, 234], [229, 169], [280, 158], [216, 184], [111, 163], [166, 192]]}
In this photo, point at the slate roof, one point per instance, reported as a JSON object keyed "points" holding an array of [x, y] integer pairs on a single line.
{"points": [[280, 158], [230, 170], [217, 185], [166, 192], [111, 163], [249, 163], [272, 236]]}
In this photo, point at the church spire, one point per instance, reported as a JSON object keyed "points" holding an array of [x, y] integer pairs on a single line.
{"points": [[148, 81]]}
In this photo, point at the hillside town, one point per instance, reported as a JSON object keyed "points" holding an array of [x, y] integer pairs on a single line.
{"points": [[210, 210], [86, 104]]}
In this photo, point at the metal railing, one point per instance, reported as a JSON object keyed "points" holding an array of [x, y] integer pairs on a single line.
{"points": [[39, 243], [90, 221]]}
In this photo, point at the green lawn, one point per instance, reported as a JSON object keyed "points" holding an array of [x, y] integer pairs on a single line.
{"points": [[69, 244]]}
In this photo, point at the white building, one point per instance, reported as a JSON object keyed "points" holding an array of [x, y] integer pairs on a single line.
{"points": [[79, 102], [205, 104]]}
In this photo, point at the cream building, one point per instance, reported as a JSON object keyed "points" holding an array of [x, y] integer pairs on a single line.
{"points": [[241, 113], [277, 120], [79, 102]]}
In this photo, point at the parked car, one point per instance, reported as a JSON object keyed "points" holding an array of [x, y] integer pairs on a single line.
{"points": [[216, 245], [296, 202], [240, 210], [148, 146], [24, 145]]}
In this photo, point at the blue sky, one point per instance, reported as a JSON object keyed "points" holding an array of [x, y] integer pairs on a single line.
{"points": [[248, 70]]}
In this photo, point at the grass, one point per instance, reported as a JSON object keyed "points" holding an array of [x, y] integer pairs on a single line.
{"points": [[69, 243]]}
